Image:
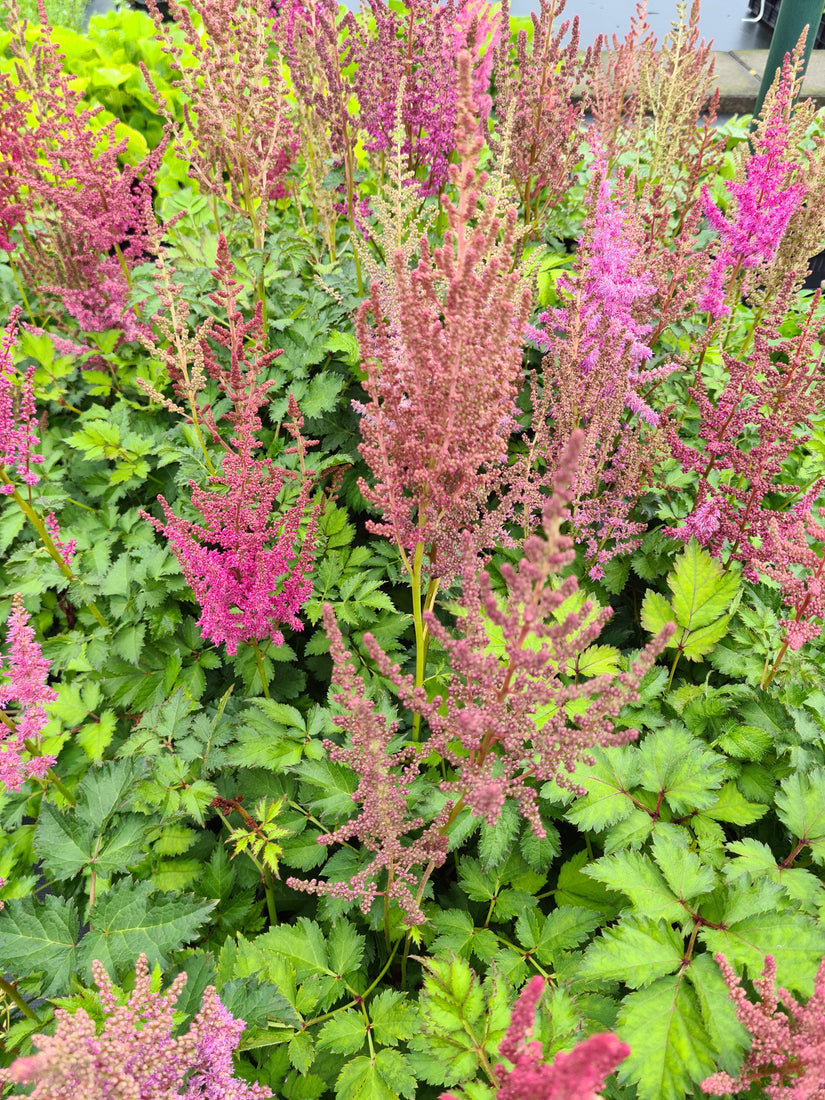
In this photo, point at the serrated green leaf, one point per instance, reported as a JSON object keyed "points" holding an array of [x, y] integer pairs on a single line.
{"points": [[732, 806], [577, 889], [728, 1037], [103, 791], [564, 928], [346, 948], [680, 768], [608, 783], [62, 841], [669, 1044], [636, 951], [123, 848], [345, 1033], [383, 1077], [131, 918], [40, 936], [393, 1017], [795, 941], [656, 614], [800, 804], [495, 842], [636, 875], [301, 1051], [702, 590], [696, 644], [303, 944], [596, 660], [685, 873]]}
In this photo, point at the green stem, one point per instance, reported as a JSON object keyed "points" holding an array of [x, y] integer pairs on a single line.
{"points": [[47, 541], [261, 671], [673, 668], [270, 898], [10, 990]]}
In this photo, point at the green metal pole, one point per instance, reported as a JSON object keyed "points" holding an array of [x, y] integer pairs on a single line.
{"points": [[793, 17]]}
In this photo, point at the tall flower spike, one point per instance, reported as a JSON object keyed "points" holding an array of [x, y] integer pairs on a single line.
{"points": [[769, 190], [23, 682], [384, 825], [243, 562], [510, 716], [135, 1053], [443, 366], [18, 423]]}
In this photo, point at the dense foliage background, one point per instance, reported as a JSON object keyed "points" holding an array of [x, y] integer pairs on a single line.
{"points": [[411, 455]]}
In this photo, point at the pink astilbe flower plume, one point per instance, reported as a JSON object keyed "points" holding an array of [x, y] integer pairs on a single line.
{"points": [[787, 1055], [420, 46], [443, 365], [249, 562], [135, 1055], [23, 674], [593, 378], [763, 199], [88, 217], [384, 824], [577, 1075], [18, 422], [510, 717]]}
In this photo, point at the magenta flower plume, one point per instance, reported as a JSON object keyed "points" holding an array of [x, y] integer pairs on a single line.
{"points": [[248, 563], [787, 1055], [420, 46], [93, 216], [760, 208], [593, 377], [384, 824], [23, 674], [135, 1053], [577, 1075]]}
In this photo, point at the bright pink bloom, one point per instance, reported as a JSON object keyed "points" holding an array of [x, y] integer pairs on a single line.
{"points": [[577, 1075], [135, 1053], [787, 1055], [761, 205], [23, 682], [18, 422], [243, 561]]}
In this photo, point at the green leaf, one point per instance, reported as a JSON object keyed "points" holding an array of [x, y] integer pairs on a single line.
{"points": [[796, 942], [386, 1076], [680, 768], [800, 804], [729, 1038], [62, 841], [696, 644], [303, 943], [733, 807], [656, 614], [702, 590], [495, 842], [685, 873], [346, 948], [345, 1033], [132, 919], [393, 1017], [124, 848], [636, 952], [40, 936], [301, 1051], [564, 929], [637, 876], [669, 1047], [607, 783], [575, 888], [103, 791]]}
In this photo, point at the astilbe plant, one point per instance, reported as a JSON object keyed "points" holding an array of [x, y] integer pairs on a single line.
{"points": [[386, 768], [579, 1074], [787, 1055], [244, 563], [747, 432], [593, 379], [23, 683], [237, 140], [534, 94], [443, 365], [503, 725], [86, 216], [768, 190], [136, 1055], [508, 720], [419, 47]]}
